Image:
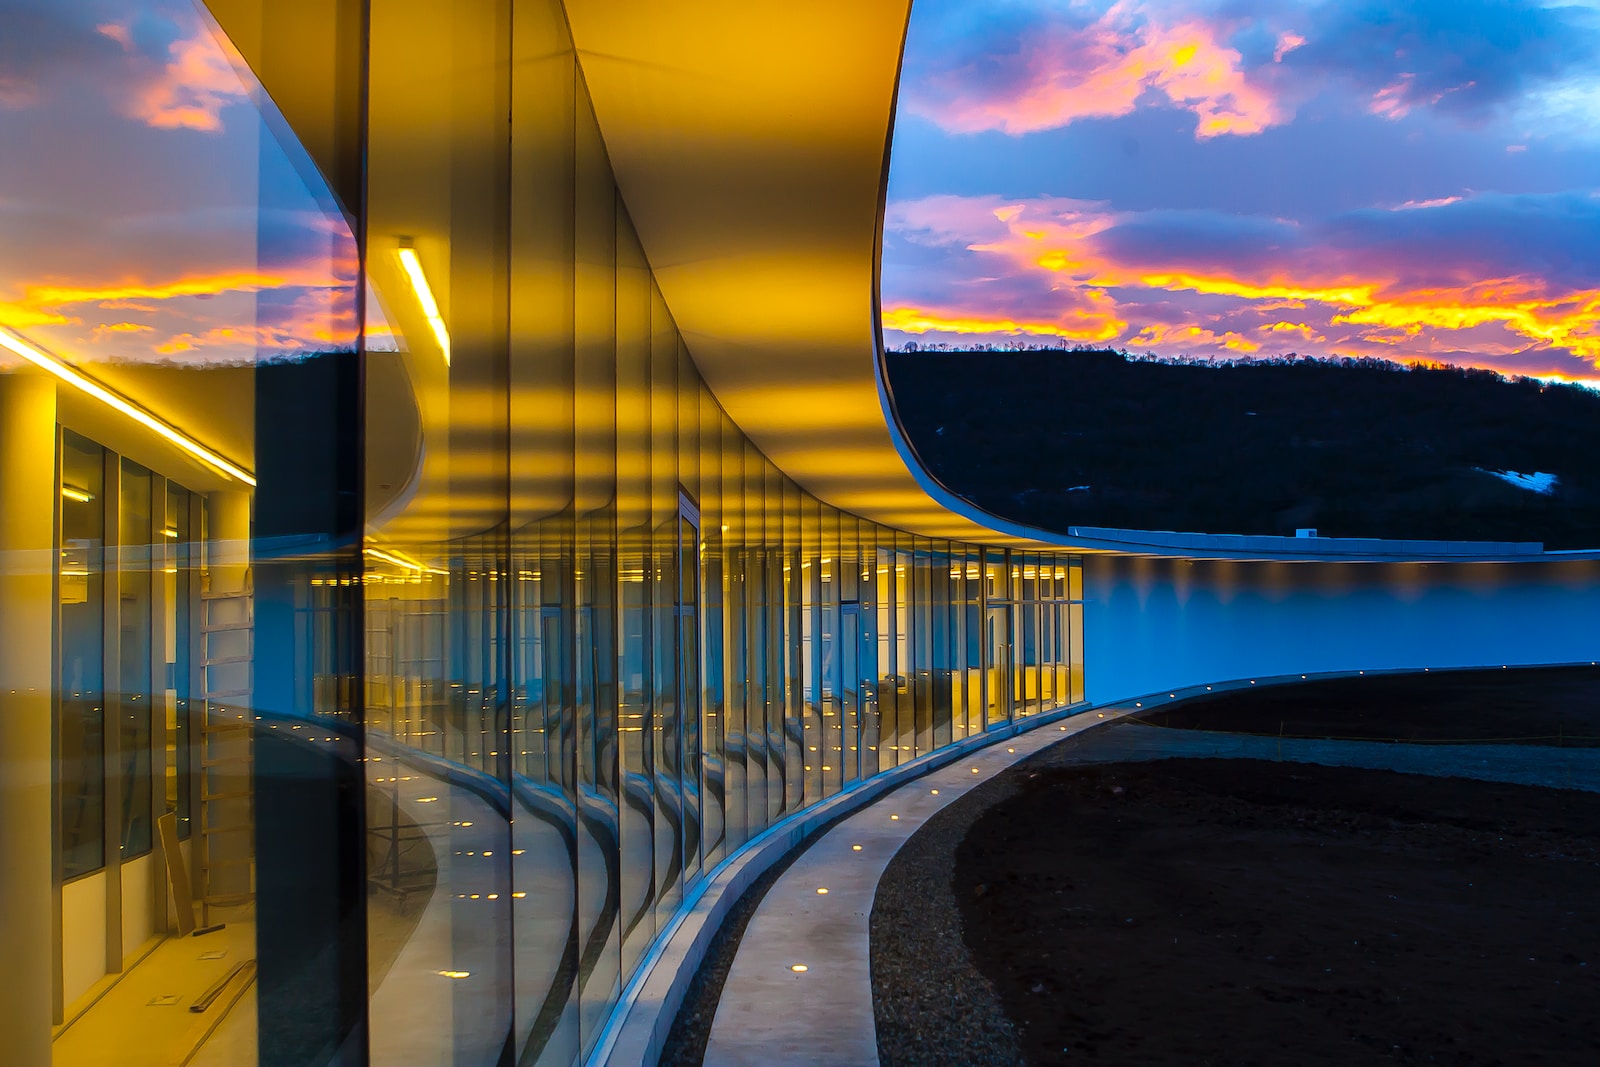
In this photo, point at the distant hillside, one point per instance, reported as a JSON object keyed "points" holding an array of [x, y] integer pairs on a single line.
{"points": [[1059, 438]]}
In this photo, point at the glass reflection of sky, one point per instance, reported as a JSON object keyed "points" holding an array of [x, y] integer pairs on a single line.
{"points": [[1418, 181], [147, 213]]}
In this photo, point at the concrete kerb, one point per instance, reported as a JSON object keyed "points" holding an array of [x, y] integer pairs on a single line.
{"points": [[638, 1027]]}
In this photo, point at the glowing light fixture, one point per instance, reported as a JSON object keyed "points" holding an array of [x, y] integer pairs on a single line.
{"points": [[403, 562], [72, 492], [419, 285], [88, 385], [455, 974], [799, 968]]}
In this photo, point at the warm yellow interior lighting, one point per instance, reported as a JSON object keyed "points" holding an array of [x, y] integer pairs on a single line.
{"points": [[168, 531], [430, 306], [112, 400], [404, 562], [71, 492]]}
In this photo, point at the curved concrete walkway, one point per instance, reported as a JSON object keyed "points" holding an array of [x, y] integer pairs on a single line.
{"points": [[800, 988]]}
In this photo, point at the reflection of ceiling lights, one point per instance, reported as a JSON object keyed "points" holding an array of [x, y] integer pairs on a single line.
{"points": [[419, 285], [72, 492], [403, 561], [112, 400]]}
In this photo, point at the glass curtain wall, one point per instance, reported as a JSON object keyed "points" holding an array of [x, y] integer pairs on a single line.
{"points": [[466, 633]]}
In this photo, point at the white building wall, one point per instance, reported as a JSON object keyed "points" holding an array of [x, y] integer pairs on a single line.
{"points": [[1160, 623]]}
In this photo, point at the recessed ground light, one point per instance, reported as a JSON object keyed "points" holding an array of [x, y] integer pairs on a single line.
{"points": [[855, 848], [822, 891], [895, 817], [935, 792], [1137, 705], [974, 770], [1010, 750], [1208, 688], [799, 968]]}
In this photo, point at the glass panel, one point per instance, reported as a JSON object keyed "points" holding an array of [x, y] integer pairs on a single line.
{"points": [[867, 684], [775, 700], [81, 774], [178, 569], [828, 666], [644, 831], [813, 724], [667, 734], [134, 650], [713, 600], [735, 631], [795, 751]]}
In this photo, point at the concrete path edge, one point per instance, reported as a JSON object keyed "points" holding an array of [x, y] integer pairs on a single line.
{"points": [[638, 1027]]}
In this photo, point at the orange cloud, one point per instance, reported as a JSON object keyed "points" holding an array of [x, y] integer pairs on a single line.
{"points": [[1156, 334], [1299, 329], [22, 316], [1077, 325], [111, 294], [1104, 69], [106, 330], [191, 91]]}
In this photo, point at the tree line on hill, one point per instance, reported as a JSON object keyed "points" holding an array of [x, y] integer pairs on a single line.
{"points": [[1349, 447]]}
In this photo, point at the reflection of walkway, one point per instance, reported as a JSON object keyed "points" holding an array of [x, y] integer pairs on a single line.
{"points": [[822, 1013], [444, 998]]}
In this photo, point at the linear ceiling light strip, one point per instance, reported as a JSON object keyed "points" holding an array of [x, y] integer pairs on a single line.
{"points": [[93, 388], [419, 285]]}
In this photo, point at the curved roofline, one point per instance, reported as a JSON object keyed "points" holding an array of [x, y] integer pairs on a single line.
{"points": [[752, 146]]}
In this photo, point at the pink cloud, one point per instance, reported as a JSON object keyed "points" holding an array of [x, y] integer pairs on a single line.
{"points": [[118, 33], [1103, 70], [191, 91]]}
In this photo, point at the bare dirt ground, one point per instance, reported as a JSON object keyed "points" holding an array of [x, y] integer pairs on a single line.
{"points": [[1555, 706], [1193, 911]]}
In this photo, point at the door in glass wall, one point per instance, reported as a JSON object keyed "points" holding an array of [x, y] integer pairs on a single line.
{"points": [[850, 688], [998, 681]]}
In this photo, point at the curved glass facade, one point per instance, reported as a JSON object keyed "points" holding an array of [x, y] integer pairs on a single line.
{"points": [[403, 623]]}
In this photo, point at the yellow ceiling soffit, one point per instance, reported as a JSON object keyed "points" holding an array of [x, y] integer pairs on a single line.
{"points": [[749, 142]]}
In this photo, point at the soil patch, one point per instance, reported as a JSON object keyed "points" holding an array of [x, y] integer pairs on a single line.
{"points": [[1547, 706], [1245, 911]]}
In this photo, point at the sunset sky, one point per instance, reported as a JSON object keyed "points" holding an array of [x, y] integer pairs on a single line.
{"points": [[147, 212], [1418, 181]]}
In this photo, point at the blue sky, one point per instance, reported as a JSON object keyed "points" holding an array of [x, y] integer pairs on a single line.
{"points": [[1414, 181]]}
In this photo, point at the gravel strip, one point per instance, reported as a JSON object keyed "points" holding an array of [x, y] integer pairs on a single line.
{"points": [[932, 1006]]}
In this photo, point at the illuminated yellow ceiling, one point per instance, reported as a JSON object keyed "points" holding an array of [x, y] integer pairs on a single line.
{"points": [[750, 144]]}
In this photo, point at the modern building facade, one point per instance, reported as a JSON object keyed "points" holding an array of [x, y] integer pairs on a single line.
{"points": [[516, 526]]}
